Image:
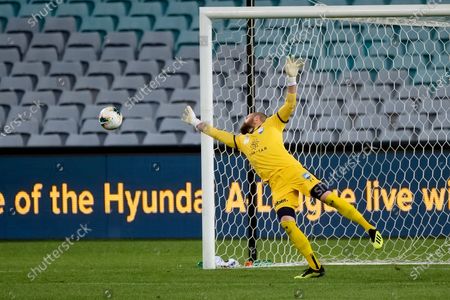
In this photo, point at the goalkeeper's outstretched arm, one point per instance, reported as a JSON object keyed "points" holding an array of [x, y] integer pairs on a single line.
{"points": [[292, 67], [220, 135]]}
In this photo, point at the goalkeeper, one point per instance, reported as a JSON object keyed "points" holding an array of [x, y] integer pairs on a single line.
{"points": [[261, 140]]}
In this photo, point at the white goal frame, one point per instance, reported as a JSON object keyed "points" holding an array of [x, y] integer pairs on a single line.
{"points": [[207, 14]]}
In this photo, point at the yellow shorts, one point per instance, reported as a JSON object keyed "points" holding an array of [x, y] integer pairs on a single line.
{"points": [[286, 185]]}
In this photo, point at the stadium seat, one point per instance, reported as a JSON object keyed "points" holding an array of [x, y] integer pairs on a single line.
{"points": [[397, 77], [177, 126], [16, 84], [378, 93], [357, 107], [156, 97], [194, 82], [332, 123], [43, 97], [355, 78], [322, 137], [91, 83], [384, 48], [155, 53], [136, 24], [170, 111], [440, 61], [110, 97], [339, 92], [9, 56], [433, 107], [138, 126], [62, 68], [21, 25], [56, 84], [369, 63], [428, 47], [34, 69], [429, 77], [48, 40], [188, 9], [157, 38], [189, 52], [114, 9], [236, 52], [412, 122], [82, 140], [374, 122], [442, 93], [187, 38], [63, 127], [47, 55], [76, 10], [138, 111], [82, 98], [105, 68], [402, 2], [91, 112], [173, 82], [36, 12], [146, 9], [149, 69], [8, 98], [157, 139], [129, 83], [17, 41], [127, 139], [411, 33], [356, 136], [118, 54], [7, 10], [396, 136], [187, 96], [64, 25], [433, 136], [102, 25], [316, 78], [376, 33], [27, 128], [3, 69], [191, 139], [442, 34], [85, 39], [414, 93], [11, 140], [120, 39], [48, 140], [62, 113], [174, 24], [398, 107], [442, 121], [80, 54]]}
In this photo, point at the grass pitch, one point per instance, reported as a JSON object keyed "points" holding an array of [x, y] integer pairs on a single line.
{"points": [[168, 270]]}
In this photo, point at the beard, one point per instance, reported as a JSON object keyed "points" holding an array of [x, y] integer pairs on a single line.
{"points": [[246, 128]]}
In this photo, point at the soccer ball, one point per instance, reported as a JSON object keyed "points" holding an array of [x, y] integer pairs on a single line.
{"points": [[110, 118]]}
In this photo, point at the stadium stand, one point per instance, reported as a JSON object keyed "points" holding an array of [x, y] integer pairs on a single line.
{"points": [[87, 54]]}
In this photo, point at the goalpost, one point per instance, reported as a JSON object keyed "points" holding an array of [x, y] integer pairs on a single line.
{"points": [[372, 121]]}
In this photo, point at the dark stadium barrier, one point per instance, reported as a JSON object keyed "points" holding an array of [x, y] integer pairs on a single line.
{"points": [[158, 195]]}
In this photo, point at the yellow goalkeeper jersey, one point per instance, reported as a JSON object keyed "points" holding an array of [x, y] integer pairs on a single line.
{"points": [[264, 148]]}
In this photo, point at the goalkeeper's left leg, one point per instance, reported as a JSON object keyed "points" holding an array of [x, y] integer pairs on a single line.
{"points": [[321, 192]]}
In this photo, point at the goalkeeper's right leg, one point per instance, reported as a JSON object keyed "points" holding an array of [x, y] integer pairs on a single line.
{"points": [[286, 216]]}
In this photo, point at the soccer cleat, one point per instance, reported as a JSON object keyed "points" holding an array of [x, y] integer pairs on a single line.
{"points": [[376, 238], [311, 273]]}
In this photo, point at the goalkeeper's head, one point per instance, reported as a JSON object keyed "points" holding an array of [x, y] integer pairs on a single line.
{"points": [[252, 121]]}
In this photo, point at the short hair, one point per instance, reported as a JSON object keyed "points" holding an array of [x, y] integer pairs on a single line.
{"points": [[263, 116]]}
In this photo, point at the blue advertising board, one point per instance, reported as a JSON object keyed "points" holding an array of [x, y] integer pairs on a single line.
{"points": [[159, 195]]}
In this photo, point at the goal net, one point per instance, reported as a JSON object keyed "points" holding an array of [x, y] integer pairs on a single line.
{"points": [[372, 121]]}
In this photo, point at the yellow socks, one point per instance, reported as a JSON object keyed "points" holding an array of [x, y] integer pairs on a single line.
{"points": [[301, 242], [347, 210]]}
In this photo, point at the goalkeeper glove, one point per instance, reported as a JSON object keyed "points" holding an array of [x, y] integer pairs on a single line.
{"points": [[189, 117], [292, 67]]}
